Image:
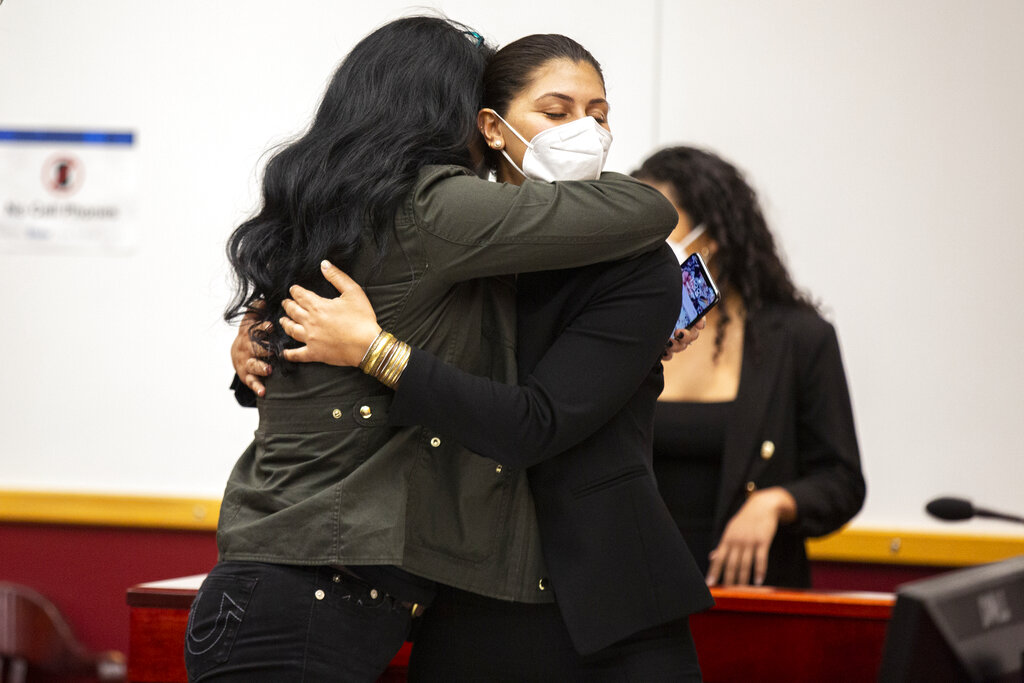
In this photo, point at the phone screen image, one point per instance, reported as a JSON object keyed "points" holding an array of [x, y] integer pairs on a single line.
{"points": [[699, 291]]}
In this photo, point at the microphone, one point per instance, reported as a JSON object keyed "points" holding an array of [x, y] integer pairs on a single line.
{"points": [[956, 509]]}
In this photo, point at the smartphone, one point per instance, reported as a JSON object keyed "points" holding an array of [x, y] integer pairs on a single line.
{"points": [[700, 294]]}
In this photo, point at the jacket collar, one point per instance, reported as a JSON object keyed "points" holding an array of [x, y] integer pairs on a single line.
{"points": [[762, 360]]}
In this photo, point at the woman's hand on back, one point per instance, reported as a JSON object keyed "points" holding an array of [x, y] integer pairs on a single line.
{"points": [[335, 331], [247, 356]]}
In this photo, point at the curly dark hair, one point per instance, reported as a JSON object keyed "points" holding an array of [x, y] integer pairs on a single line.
{"points": [[405, 97], [715, 194]]}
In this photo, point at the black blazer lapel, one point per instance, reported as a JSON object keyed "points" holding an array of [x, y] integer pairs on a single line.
{"points": [[763, 355]]}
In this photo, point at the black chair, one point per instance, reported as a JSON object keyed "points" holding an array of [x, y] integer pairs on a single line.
{"points": [[36, 643]]}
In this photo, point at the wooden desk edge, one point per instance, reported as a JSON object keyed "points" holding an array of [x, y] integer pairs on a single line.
{"points": [[168, 594], [855, 604], [179, 593]]}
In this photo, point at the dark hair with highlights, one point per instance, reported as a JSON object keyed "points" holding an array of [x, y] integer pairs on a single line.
{"points": [[405, 97], [512, 68], [714, 193]]}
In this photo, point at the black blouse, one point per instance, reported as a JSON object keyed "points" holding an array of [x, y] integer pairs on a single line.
{"points": [[689, 439]]}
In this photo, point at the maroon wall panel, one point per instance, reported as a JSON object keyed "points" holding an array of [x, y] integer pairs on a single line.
{"points": [[85, 571], [852, 576]]}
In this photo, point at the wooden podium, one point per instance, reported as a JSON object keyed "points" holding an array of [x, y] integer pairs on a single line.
{"points": [[773, 635], [752, 634]]}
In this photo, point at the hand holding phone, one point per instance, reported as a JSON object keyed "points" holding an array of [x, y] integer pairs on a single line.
{"points": [[700, 294]]}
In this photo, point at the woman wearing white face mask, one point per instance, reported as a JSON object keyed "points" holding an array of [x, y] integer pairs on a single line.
{"points": [[554, 128], [588, 348]]}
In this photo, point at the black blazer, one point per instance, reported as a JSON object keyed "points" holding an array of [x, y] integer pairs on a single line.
{"points": [[792, 427], [589, 346]]}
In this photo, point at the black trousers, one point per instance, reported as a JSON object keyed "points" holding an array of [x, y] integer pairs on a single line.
{"points": [[465, 637], [268, 623]]}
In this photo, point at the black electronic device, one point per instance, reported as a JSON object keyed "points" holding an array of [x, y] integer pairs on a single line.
{"points": [[700, 294], [967, 625]]}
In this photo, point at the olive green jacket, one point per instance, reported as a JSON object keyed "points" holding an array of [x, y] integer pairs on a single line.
{"points": [[328, 481]]}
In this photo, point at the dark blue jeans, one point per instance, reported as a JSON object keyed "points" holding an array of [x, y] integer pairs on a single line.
{"points": [[253, 622]]}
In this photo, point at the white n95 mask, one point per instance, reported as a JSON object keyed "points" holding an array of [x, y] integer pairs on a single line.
{"points": [[572, 151]]}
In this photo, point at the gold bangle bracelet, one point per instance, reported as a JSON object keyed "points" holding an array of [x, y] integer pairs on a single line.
{"points": [[392, 372], [372, 350], [400, 365], [385, 357], [387, 373], [385, 349], [372, 356], [385, 369], [382, 344]]}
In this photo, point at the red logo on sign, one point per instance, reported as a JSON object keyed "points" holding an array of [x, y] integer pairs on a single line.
{"points": [[63, 175]]}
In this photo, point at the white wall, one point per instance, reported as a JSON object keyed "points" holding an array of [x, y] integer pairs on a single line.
{"points": [[116, 367], [884, 138]]}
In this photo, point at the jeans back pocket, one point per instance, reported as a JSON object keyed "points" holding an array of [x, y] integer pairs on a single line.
{"points": [[213, 621]]}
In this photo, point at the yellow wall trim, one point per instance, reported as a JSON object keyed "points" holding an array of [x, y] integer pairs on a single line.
{"points": [[52, 507], [897, 546], [882, 546]]}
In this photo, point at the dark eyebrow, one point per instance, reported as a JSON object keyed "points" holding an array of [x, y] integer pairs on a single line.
{"points": [[563, 96]]}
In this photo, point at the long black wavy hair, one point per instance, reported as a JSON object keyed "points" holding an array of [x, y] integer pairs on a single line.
{"points": [[714, 193], [405, 97], [510, 70]]}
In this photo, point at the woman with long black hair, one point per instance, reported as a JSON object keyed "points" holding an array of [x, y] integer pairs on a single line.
{"points": [[334, 523]]}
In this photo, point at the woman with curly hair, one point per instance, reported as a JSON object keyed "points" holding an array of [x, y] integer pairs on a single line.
{"points": [[754, 442]]}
